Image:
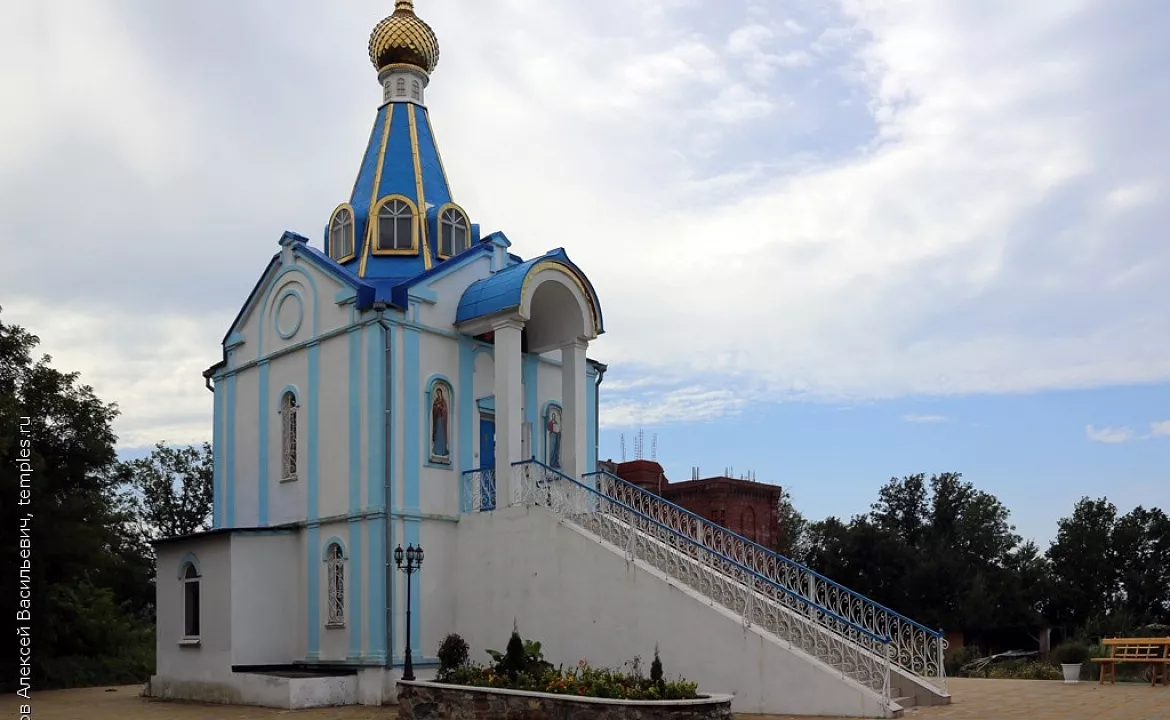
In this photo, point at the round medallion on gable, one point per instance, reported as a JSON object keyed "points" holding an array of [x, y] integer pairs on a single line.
{"points": [[290, 313]]}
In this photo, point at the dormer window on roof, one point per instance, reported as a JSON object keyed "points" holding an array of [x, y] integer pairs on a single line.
{"points": [[341, 234], [454, 232], [396, 227]]}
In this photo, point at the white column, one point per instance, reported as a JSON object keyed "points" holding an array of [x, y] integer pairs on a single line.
{"points": [[508, 398], [573, 451]]}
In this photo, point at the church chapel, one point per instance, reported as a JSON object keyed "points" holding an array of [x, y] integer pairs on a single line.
{"points": [[406, 381]]}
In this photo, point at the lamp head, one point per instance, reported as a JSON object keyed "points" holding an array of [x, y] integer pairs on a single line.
{"points": [[398, 556]]}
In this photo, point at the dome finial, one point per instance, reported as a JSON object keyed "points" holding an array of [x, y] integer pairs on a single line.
{"points": [[404, 39]]}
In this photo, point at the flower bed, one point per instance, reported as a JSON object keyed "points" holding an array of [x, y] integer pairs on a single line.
{"points": [[519, 683], [432, 701]]}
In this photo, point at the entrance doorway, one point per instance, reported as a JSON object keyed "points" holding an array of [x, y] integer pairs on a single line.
{"points": [[487, 461]]}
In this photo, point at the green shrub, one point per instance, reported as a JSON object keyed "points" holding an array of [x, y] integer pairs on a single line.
{"points": [[1023, 670], [656, 670], [522, 667], [961, 657], [1070, 653], [453, 653]]}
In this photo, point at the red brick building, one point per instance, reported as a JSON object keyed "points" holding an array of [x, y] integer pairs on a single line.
{"points": [[742, 506]]}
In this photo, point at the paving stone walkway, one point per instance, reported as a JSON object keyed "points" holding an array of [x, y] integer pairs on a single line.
{"points": [[973, 700]]}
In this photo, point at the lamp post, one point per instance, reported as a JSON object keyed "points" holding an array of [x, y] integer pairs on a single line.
{"points": [[414, 559]]}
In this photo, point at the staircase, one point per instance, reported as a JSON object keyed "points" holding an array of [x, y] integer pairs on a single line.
{"points": [[915, 651], [896, 658]]}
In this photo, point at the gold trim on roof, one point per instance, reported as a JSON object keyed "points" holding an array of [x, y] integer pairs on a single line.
{"points": [[370, 221], [418, 183]]}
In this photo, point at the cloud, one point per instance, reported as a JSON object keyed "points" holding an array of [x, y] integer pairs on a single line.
{"points": [[1160, 429], [924, 418], [1108, 434], [844, 202]]}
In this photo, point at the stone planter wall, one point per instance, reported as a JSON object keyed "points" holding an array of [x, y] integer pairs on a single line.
{"points": [[431, 701]]}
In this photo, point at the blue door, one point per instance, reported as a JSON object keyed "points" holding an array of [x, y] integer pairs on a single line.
{"points": [[487, 462]]}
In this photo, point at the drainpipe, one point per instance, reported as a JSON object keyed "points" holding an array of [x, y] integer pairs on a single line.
{"points": [[601, 368], [387, 439], [207, 381]]}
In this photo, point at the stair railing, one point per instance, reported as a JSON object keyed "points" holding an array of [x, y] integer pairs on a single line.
{"points": [[853, 650], [915, 648]]}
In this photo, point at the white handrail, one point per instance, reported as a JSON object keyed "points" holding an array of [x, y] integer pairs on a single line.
{"points": [[915, 648]]}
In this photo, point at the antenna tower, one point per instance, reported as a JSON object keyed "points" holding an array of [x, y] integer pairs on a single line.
{"points": [[654, 447], [623, 447]]}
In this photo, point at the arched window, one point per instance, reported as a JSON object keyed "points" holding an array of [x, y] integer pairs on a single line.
{"points": [[453, 235], [335, 571], [552, 429], [288, 436], [400, 87], [440, 423], [396, 226], [190, 602], [416, 90], [341, 234]]}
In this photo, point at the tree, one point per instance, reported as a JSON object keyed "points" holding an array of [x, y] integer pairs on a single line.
{"points": [[935, 549], [57, 444], [791, 530], [1141, 540], [171, 490], [1084, 564]]}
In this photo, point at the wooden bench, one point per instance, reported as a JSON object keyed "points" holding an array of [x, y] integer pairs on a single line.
{"points": [[1153, 651]]}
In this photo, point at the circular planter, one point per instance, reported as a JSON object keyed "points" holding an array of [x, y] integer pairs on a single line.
{"points": [[1072, 673], [419, 700]]}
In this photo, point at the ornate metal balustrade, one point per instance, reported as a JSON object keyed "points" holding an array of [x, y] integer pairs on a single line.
{"points": [[477, 492], [915, 648], [846, 646]]}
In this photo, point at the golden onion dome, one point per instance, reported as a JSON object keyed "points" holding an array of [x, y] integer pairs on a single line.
{"points": [[404, 39]]}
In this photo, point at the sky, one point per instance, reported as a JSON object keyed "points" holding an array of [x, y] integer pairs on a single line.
{"points": [[834, 241]]}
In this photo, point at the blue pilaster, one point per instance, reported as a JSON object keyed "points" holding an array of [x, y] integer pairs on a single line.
{"points": [[355, 420], [313, 557], [378, 455], [354, 611], [530, 374], [263, 447], [217, 452], [229, 474], [412, 419], [591, 408], [313, 593]]}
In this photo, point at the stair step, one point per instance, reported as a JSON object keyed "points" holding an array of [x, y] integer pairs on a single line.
{"points": [[907, 701]]}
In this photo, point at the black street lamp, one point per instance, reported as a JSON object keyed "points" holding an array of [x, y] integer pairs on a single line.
{"points": [[414, 558]]}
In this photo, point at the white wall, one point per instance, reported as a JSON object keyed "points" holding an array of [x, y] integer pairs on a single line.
{"points": [[439, 484], [581, 599], [265, 600], [211, 660], [286, 500], [333, 428], [449, 289]]}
